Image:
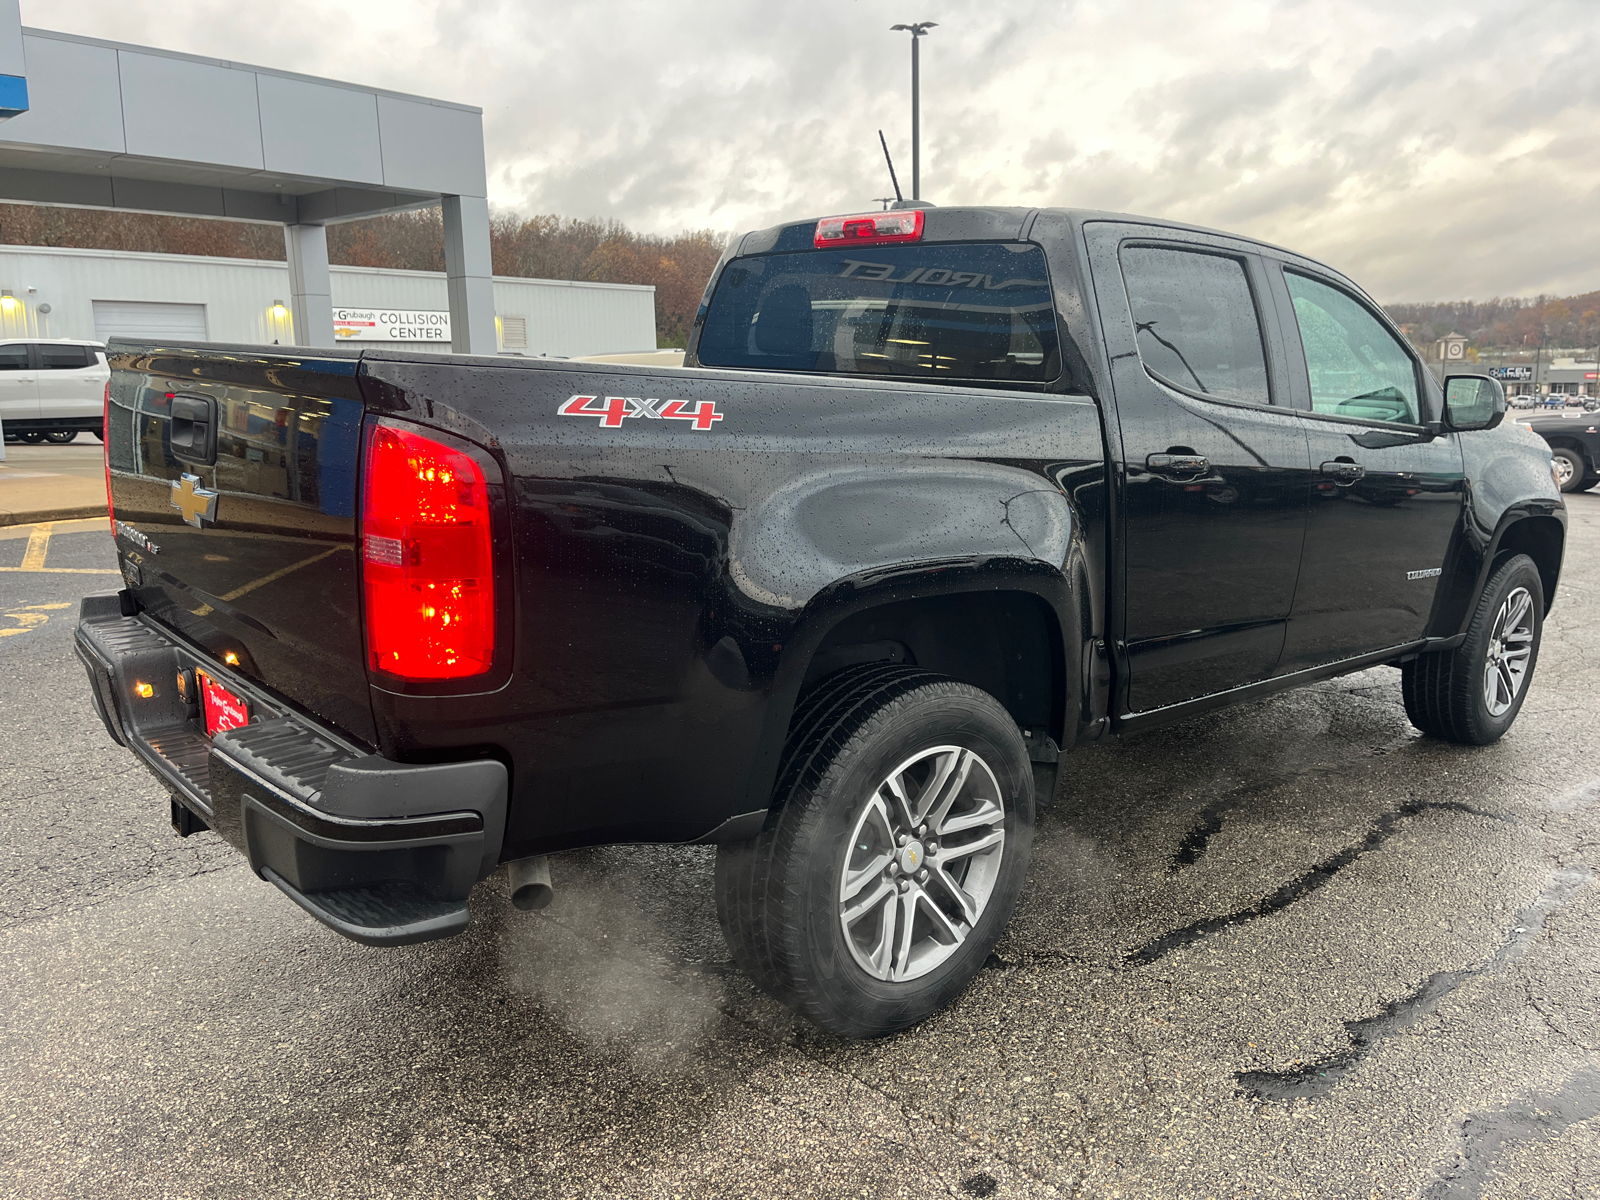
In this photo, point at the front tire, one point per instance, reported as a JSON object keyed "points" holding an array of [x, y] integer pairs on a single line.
{"points": [[61, 437], [1473, 693], [893, 856], [1571, 471]]}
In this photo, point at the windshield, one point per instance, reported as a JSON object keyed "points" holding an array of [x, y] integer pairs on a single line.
{"points": [[946, 310]]}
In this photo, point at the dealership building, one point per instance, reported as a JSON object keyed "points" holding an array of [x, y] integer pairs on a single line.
{"points": [[99, 294], [92, 123]]}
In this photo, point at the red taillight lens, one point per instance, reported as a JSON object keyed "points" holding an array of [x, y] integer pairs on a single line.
{"points": [[105, 453], [428, 563], [868, 229]]}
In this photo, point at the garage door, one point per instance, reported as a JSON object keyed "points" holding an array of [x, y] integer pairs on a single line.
{"points": [[148, 319]]}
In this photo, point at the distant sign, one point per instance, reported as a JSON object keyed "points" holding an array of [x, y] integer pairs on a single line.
{"points": [[390, 325], [1511, 372]]}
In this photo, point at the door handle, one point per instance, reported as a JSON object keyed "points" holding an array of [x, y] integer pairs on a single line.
{"points": [[1343, 472], [193, 433], [1178, 464]]}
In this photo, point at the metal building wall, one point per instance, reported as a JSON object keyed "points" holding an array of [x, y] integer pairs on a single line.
{"points": [[564, 318]]}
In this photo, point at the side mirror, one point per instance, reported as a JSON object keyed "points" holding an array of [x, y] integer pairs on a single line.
{"points": [[1473, 402]]}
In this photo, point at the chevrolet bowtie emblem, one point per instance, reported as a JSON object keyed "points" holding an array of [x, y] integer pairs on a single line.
{"points": [[196, 503]]}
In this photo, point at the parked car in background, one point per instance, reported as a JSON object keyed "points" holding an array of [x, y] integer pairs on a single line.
{"points": [[1574, 440], [1524, 401], [52, 390], [1555, 400]]}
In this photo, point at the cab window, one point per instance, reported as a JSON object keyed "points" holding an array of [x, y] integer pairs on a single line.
{"points": [[931, 310], [1357, 368]]}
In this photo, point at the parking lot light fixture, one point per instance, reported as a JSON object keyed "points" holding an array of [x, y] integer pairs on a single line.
{"points": [[918, 31]]}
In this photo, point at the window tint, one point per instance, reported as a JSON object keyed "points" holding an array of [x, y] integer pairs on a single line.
{"points": [[63, 358], [1357, 367], [13, 358], [941, 309], [1195, 322]]}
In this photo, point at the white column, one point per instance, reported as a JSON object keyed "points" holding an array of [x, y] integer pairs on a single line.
{"points": [[469, 274], [309, 284]]}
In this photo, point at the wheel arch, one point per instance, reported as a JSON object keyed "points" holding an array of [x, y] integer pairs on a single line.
{"points": [[1541, 538], [1576, 445], [1017, 628]]}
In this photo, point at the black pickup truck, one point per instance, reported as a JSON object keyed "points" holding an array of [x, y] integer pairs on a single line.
{"points": [[1574, 441], [939, 494]]}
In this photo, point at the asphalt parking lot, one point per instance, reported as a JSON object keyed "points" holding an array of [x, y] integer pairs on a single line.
{"points": [[1293, 949]]}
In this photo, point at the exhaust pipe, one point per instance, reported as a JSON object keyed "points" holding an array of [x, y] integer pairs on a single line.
{"points": [[530, 883]]}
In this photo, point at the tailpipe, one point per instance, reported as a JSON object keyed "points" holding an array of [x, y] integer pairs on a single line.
{"points": [[530, 883]]}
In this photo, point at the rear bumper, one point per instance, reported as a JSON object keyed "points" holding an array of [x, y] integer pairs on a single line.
{"points": [[385, 853]]}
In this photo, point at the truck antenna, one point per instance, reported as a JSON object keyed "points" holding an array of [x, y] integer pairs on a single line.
{"points": [[890, 161]]}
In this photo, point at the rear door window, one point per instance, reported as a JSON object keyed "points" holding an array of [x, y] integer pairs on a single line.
{"points": [[1195, 322], [14, 357], [65, 358], [943, 310]]}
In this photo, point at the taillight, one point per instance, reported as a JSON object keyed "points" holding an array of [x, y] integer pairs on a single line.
{"points": [[869, 229], [105, 453], [427, 559]]}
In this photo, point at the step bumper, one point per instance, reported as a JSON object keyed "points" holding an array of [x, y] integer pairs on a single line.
{"points": [[383, 852]]}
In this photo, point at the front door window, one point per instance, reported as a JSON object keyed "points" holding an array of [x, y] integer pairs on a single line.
{"points": [[1357, 367]]}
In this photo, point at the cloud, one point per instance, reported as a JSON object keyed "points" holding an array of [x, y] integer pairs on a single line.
{"points": [[1431, 151]]}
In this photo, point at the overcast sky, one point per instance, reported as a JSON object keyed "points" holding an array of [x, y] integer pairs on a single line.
{"points": [[1433, 150]]}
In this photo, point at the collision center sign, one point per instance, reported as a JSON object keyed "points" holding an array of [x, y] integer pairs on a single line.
{"points": [[390, 325]]}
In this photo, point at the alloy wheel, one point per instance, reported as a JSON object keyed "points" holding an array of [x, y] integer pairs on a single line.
{"points": [[923, 861], [1505, 667]]}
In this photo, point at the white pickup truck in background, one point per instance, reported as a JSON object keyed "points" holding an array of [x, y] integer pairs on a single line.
{"points": [[51, 390]]}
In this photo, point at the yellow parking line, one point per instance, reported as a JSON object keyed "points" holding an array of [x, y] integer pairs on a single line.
{"points": [[62, 570], [205, 609], [38, 546], [30, 616]]}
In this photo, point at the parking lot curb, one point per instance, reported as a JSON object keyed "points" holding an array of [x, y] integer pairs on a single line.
{"points": [[34, 516]]}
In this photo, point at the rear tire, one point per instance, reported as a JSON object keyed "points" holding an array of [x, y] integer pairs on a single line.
{"points": [[29, 437], [1473, 693], [900, 793], [61, 437]]}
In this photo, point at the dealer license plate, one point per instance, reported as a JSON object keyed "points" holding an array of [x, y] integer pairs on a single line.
{"points": [[221, 709]]}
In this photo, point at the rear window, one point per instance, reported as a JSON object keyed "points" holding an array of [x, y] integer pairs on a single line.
{"points": [[943, 310]]}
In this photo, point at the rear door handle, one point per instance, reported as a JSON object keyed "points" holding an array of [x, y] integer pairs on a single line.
{"points": [[1178, 464], [1343, 472]]}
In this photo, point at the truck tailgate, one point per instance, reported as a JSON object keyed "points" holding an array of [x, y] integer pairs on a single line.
{"points": [[232, 473]]}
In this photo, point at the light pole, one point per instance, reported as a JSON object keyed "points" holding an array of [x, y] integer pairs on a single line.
{"points": [[918, 31]]}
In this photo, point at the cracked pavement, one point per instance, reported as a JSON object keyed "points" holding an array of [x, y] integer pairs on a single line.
{"points": [[1300, 889]]}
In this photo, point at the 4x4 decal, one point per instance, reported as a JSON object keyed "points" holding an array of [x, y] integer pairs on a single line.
{"points": [[613, 410]]}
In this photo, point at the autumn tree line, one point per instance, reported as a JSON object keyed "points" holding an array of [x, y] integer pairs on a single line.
{"points": [[1568, 322], [538, 247], [602, 251]]}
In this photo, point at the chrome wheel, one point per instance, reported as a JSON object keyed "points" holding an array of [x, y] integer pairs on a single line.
{"points": [[1563, 468], [1505, 666], [922, 863]]}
